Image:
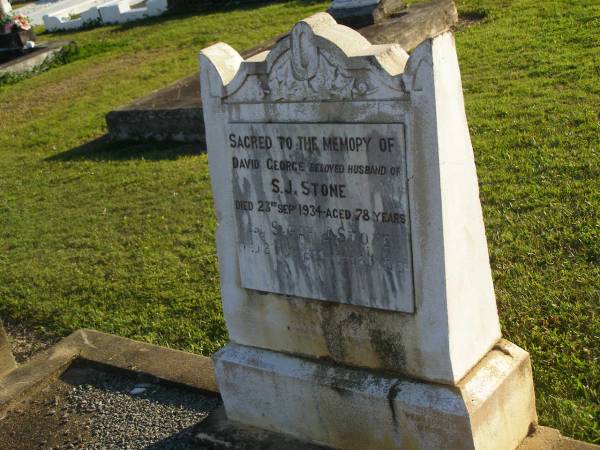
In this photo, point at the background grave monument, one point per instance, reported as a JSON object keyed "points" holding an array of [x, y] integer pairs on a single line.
{"points": [[5, 7], [358, 13], [355, 276], [349, 11]]}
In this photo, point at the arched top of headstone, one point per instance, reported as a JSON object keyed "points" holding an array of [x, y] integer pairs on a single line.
{"points": [[318, 60]]}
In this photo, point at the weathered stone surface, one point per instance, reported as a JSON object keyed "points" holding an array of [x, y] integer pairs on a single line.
{"points": [[7, 361], [387, 9], [492, 408], [350, 230], [360, 13], [420, 22], [354, 13], [184, 369], [453, 319], [333, 258]]}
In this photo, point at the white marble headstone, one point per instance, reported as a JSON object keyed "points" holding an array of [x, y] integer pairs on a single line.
{"points": [[343, 175], [351, 238]]}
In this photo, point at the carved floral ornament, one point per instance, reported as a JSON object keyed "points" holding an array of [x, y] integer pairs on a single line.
{"points": [[318, 60], [306, 72]]}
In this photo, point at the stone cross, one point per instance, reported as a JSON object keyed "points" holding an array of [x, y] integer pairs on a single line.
{"points": [[355, 276]]}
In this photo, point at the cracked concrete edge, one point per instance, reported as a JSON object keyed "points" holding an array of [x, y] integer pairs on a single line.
{"points": [[545, 438], [167, 364]]}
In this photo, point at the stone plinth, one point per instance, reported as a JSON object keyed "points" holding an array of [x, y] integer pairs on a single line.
{"points": [[492, 408]]}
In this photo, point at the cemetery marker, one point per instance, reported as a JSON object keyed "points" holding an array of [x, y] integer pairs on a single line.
{"points": [[355, 275]]}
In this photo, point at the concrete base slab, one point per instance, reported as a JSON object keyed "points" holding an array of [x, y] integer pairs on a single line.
{"points": [[218, 432], [492, 408], [33, 59]]}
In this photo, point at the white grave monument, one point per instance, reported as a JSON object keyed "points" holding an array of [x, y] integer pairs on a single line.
{"points": [[355, 276], [5, 7], [353, 9]]}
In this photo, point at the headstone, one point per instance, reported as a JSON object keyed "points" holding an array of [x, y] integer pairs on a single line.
{"points": [[7, 361], [5, 7], [355, 276]]}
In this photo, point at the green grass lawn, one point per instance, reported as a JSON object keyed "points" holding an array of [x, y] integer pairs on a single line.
{"points": [[121, 238]]}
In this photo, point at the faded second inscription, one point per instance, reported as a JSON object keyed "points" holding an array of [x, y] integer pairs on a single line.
{"points": [[322, 211]]}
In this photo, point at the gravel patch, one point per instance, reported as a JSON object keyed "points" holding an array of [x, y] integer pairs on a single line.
{"points": [[91, 407], [127, 414]]}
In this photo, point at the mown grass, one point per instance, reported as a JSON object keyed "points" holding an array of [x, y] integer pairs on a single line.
{"points": [[121, 237]]}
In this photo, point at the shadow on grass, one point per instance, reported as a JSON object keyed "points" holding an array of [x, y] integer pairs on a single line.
{"points": [[103, 149], [470, 17]]}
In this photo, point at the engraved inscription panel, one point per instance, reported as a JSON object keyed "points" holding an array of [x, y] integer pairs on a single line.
{"points": [[322, 211]]}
